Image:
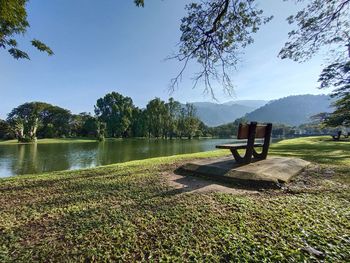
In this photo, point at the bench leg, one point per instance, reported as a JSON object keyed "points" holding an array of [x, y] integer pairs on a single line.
{"points": [[247, 158], [261, 155]]}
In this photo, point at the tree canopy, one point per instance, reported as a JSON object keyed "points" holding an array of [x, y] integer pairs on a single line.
{"points": [[319, 24], [213, 35], [25, 119], [116, 116], [116, 111], [13, 22], [325, 24]]}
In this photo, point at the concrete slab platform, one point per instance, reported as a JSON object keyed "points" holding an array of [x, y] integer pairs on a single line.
{"points": [[271, 172]]}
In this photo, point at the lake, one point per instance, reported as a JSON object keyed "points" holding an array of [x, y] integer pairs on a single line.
{"points": [[38, 158]]}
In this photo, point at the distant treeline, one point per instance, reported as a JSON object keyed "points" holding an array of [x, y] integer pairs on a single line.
{"points": [[278, 130], [115, 116]]}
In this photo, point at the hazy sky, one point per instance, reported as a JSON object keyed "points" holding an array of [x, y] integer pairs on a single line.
{"points": [[110, 45]]}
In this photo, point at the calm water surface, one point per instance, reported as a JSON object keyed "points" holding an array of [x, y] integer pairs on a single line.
{"points": [[38, 158]]}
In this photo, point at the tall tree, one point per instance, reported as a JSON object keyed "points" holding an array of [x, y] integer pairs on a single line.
{"points": [[5, 130], [55, 122], [341, 115], [13, 22], [25, 119], [85, 125], [188, 124], [156, 117], [325, 24], [77, 124], [101, 130], [115, 111], [139, 123], [191, 120], [173, 111]]}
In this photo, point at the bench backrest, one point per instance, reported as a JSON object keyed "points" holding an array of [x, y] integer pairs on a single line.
{"points": [[261, 131]]}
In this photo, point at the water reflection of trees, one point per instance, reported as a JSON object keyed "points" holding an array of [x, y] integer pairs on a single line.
{"points": [[38, 158], [26, 159], [82, 155]]}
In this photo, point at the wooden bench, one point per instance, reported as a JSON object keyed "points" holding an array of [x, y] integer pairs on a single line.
{"points": [[250, 132]]}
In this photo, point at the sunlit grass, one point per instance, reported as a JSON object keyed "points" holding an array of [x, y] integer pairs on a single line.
{"points": [[128, 212], [53, 140], [321, 149]]}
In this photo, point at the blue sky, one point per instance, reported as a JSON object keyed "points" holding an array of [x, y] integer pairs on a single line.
{"points": [[110, 45]]}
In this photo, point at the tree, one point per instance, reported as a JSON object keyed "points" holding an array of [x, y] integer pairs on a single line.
{"points": [[38, 118], [24, 120], [337, 75], [85, 125], [213, 34], [173, 111], [341, 115], [156, 112], [325, 24], [115, 111], [92, 127], [54, 122], [204, 130], [13, 22], [227, 130], [139, 2], [188, 122], [139, 123], [101, 130], [191, 121], [319, 24], [77, 123], [5, 130]]}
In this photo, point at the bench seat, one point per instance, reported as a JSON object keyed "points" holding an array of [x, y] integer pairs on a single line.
{"points": [[237, 146]]}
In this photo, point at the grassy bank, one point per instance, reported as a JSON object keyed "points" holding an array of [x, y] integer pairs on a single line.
{"points": [[130, 212], [53, 140], [84, 139]]}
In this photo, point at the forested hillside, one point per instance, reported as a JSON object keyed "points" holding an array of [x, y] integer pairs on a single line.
{"points": [[214, 114], [291, 110]]}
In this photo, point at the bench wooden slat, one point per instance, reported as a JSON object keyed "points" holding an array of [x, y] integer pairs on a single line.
{"points": [[250, 132], [243, 131], [237, 146]]}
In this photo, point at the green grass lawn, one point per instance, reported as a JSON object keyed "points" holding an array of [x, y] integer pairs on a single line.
{"points": [[53, 140], [129, 212]]}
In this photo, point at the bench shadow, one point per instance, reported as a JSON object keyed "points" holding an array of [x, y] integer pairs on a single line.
{"points": [[211, 179], [210, 173]]}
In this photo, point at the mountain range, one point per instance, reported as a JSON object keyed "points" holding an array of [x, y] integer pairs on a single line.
{"points": [[291, 110], [214, 114]]}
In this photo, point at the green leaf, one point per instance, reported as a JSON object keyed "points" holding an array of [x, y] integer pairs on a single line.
{"points": [[139, 3], [17, 54], [42, 47]]}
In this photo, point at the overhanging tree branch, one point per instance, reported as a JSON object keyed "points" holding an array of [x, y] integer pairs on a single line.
{"points": [[213, 35]]}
